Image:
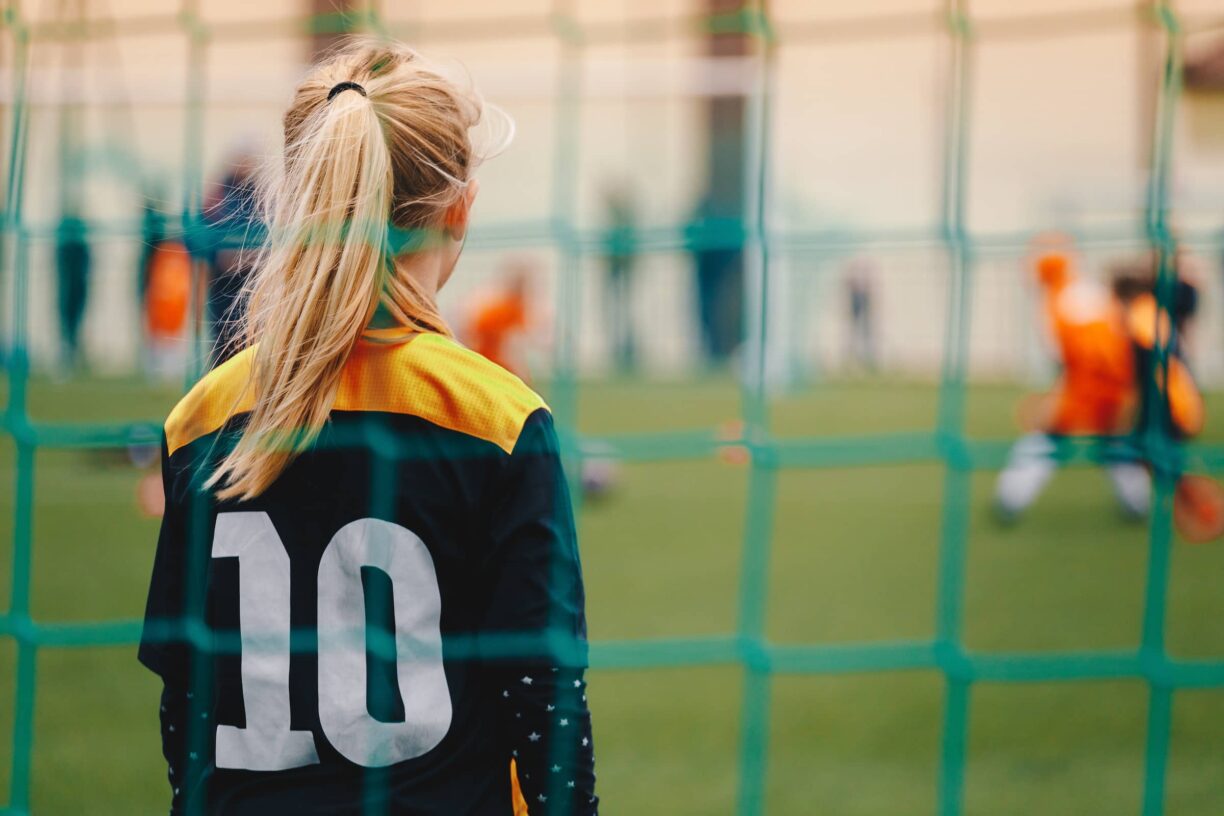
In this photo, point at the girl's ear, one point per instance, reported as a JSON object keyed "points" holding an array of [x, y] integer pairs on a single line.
{"points": [[459, 213]]}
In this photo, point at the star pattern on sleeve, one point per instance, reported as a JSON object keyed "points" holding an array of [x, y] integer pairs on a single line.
{"points": [[551, 720]]}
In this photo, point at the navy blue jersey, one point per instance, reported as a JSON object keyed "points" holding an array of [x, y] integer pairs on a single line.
{"points": [[396, 625]]}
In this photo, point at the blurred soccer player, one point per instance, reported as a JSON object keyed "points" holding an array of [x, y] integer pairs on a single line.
{"points": [[621, 260], [73, 261], [167, 300], [498, 330], [860, 300], [719, 269], [152, 234], [498, 324], [370, 520], [1176, 400], [1093, 396], [1168, 396]]}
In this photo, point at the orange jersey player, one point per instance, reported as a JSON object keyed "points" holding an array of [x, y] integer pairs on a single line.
{"points": [[167, 309], [497, 324], [497, 330], [1094, 396], [168, 293], [1096, 388]]}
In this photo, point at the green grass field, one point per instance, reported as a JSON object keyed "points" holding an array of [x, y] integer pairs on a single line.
{"points": [[854, 559]]}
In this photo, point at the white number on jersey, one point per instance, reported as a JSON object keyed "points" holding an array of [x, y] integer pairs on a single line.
{"points": [[267, 743]]}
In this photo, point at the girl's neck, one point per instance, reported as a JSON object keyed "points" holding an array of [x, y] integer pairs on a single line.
{"points": [[427, 268]]}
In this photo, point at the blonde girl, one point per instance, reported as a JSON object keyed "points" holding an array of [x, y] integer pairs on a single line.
{"points": [[366, 596]]}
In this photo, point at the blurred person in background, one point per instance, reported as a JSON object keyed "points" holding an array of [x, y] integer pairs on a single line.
{"points": [[1094, 396], [73, 261], [152, 236], [620, 254], [152, 233], [1175, 405], [167, 302], [500, 330], [860, 300], [499, 323], [231, 210], [1170, 405], [718, 263]]}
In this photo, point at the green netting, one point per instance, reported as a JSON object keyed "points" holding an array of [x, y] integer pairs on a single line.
{"points": [[748, 645]]}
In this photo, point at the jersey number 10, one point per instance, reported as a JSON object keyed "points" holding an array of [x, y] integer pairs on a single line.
{"points": [[268, 743]]}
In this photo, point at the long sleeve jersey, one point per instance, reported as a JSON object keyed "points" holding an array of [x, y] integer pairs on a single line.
{"points": [[397, 624]]}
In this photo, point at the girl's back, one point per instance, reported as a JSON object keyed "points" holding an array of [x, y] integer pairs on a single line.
{"points": [[367, 589]]}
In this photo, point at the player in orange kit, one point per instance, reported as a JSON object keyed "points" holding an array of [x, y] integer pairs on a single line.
{"points": [[1094, 395], [167, 301], [497, 324], [497, 330]]}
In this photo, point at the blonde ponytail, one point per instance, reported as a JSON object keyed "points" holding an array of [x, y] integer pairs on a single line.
{"points": [[376, 149]]}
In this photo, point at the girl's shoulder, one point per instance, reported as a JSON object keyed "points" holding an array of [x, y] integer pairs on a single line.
{"points": [[440, 380]]}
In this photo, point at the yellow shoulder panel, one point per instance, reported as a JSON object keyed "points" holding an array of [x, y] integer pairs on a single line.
{"points": [[439, 380], [429, 376], [222, 393]]}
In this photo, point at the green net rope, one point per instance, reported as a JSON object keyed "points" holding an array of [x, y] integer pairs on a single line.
{"points": [[747, 645]]}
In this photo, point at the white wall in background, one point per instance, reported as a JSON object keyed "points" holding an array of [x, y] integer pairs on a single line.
{"points": [[1056, 139]]}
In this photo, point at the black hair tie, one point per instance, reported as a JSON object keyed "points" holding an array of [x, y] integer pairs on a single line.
{"points": [[341, 87]]}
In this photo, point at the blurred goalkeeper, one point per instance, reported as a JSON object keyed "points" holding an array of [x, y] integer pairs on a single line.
{"points": [[367, 595], [1168, 397], [1094, 396]]}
